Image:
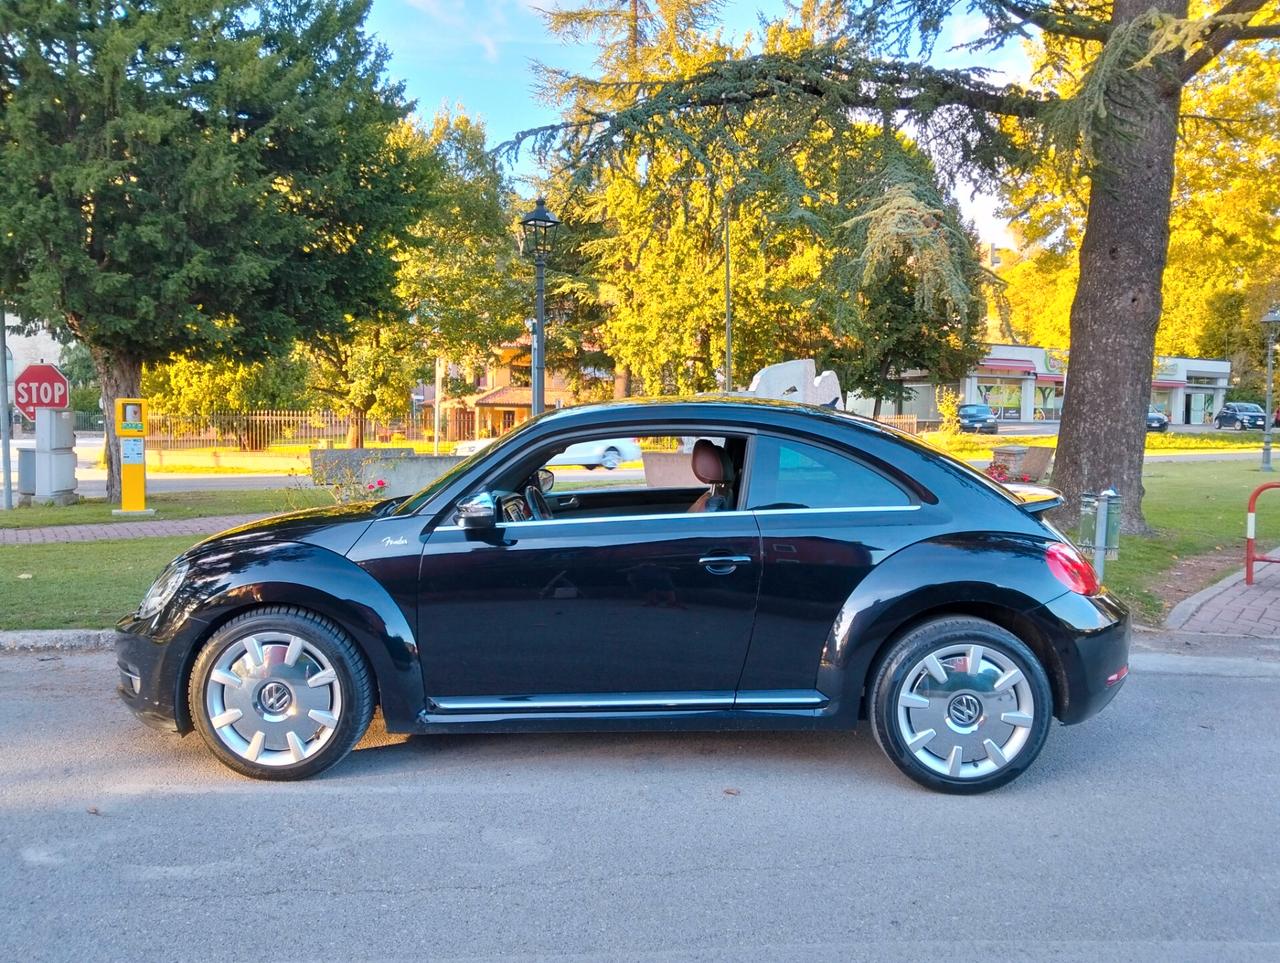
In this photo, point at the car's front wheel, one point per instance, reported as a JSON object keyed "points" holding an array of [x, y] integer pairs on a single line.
{"points": [[280, 693], [961, 705]]}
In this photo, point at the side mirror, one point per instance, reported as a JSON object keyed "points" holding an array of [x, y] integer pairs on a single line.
{"points": [[477, 511], [546, 479]]}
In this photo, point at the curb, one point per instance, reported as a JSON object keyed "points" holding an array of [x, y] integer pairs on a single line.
{"points": [[58, 640], [1166, 663], [1182, 612]]}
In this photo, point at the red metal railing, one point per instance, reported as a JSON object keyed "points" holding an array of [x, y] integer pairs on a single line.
{"points": [[1251, 529]]}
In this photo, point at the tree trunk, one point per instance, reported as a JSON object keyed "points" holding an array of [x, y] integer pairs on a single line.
{"points": [[355, 428], [121, 377], [1118, 301]]}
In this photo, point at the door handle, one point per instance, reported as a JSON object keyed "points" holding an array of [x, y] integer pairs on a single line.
{"points": [[723, 564], [567, 501]]}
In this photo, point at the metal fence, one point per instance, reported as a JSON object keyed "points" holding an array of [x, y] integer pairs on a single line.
{"points": [[268, 429], [265, 430]]}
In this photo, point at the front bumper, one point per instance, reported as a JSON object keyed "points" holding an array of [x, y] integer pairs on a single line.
{"points": [[1091, 638], [153, 665]]}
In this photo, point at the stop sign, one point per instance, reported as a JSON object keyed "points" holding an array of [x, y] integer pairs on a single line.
{"points": [[40, 386]]}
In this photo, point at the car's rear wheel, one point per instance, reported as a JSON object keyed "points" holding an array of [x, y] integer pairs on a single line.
{"points": [[611, 458], [961, 705], [280, 693]]}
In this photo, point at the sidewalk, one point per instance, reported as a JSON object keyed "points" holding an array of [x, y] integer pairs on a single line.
{"points": [[51, 534], [1231, 608]]}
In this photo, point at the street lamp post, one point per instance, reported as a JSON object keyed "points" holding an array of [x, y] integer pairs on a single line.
{"points": [[539, 229], [1270, 321]]}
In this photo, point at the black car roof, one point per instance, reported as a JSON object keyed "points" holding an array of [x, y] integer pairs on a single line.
{"points": [[746, 407]]}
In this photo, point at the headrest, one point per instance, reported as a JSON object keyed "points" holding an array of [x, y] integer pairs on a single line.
{"points": [[711, 463]]}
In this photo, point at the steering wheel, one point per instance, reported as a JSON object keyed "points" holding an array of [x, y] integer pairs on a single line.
{"points": [[537, 502]]}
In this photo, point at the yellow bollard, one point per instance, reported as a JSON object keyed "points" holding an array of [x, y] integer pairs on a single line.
{"points": [[131, 430]]}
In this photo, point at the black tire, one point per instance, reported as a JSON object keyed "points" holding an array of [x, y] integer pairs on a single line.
{"points": [[617, 458], [354, 680], [904, 657]]}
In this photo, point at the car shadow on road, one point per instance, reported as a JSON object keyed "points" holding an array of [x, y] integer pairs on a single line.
{"points": [[723, 755]]}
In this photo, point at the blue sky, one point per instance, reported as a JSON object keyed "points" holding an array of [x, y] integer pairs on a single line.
{"points": [[479, 53]]}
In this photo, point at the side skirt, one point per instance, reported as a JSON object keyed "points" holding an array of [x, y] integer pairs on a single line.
{"points": [[620, 712]]}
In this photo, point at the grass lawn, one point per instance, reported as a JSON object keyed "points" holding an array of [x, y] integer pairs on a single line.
{"points": [[173, 505], [1198, 511], [79, 584], [975, 446]]}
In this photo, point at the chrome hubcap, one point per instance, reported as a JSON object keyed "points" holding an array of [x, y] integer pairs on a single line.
{"points": [[273, 698], [965, 711], [611, 459]]}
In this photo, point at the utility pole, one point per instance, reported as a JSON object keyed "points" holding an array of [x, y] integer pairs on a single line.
{"points": [[728, 302], [435, 406], [1270, 321], [6, 421], [538, 362]]}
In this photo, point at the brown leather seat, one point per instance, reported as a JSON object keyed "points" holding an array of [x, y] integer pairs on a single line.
{"points": [[712, 466]]}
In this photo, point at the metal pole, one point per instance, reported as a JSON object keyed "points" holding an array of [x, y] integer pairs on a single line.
{"points": [[1266, 434], [539, 335], [6, 421], [1100, 533], [728, 304], [435, 407]]}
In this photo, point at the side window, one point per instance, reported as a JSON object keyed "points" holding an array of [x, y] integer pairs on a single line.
{"points": [[791, 474]]}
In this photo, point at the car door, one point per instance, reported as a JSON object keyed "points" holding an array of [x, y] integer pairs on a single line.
{"points": [[600, 612], [826, 519]]}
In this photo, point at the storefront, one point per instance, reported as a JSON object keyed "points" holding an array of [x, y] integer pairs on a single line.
{"points": [[1025, 383]]}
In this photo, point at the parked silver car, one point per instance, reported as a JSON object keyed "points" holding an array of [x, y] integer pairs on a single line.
{"points": [[608, 453]]}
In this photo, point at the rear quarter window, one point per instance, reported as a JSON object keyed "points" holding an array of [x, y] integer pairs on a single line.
{"points": [[792, 474]]}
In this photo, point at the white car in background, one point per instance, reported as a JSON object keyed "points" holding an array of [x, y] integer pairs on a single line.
{"points": [[606, 453]]}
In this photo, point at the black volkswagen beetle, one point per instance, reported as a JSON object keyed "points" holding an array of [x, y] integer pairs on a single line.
{"points": [[775, 566]]}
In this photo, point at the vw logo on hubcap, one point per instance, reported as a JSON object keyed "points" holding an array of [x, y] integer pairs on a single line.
{"points": [[275, 697], [964, 709]]}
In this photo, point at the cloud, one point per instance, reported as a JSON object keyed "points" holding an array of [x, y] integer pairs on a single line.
{"points": [[489, 24], [489, 46]]}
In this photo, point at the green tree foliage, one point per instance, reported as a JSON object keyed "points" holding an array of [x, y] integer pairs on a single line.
{"points": [[1117, 123], [197, 177], [828, 220], [183, 386], [1224, 240], [462, 277]]}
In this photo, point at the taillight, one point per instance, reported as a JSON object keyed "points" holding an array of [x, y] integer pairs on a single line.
{"points": [[1071, 569]]}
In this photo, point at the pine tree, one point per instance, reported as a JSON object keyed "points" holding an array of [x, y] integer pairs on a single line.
{"points": [[197, 177]]}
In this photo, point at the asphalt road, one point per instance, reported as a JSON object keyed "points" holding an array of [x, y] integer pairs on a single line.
{"points": [[1148, 833]]}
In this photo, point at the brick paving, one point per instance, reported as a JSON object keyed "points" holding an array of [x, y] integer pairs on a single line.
{"points": [[1233, 608], [51, 534]]}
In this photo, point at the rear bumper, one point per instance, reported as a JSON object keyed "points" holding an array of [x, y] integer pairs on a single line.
{"points": [[1091, 638]]}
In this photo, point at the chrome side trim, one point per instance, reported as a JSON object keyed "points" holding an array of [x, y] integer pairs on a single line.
{"points": [[701, 515], [588, 702], [782, 698]]}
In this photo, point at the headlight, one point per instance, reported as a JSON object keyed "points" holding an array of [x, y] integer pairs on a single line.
{"points": [[162, 590]]}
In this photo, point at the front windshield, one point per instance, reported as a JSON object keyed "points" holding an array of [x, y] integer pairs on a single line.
{"points": [[975, 409]]}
